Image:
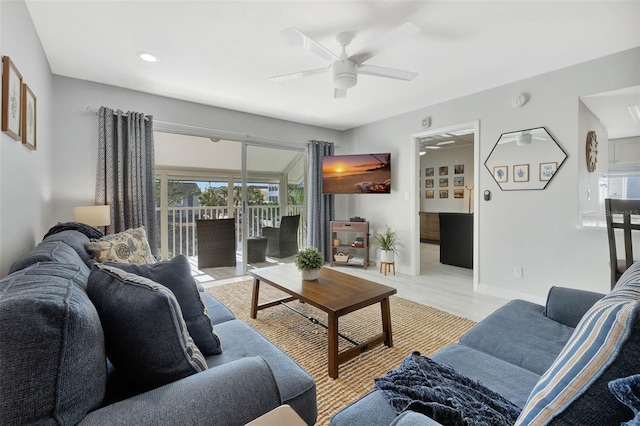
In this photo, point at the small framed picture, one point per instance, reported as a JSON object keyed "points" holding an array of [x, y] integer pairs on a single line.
{"points": [[444, 182], [444, 193], [501, 173], [444, 170], [428, 183], [547, 170], [458, 193], [458, 181], [428, 193], [458, 169], [428, 171], [11, 99], [29, 118], [521, 173]]}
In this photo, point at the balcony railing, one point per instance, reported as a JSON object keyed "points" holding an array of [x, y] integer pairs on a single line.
{"points": [[182, 233]]}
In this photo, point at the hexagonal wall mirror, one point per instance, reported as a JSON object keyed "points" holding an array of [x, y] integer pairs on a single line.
{"points": [[526, 159]]}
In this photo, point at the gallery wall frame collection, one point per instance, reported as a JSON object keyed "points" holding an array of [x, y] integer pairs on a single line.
{"points": [[443, 181], [19, 106]]}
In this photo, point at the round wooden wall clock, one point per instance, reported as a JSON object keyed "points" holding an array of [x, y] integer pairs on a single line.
{"points": [[592, 150]]}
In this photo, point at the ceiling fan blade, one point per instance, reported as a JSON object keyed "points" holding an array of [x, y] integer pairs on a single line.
{"points": [[295, 75], [308, 43], [339, 93], [395, 36], [386, 72]]}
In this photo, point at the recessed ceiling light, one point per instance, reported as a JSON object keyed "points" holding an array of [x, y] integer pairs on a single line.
{"points": [[149, 57], [431, 147], [446, 142]]}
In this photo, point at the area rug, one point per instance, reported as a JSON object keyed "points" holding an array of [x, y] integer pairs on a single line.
{"points": [[414, 327]]}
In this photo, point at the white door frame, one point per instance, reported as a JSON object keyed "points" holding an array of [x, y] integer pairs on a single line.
{"points": [[415, 189]]}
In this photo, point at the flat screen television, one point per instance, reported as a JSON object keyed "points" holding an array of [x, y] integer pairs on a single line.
{"points": [[356, 174]]}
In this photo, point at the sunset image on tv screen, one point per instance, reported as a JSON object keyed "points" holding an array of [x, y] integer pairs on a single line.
{"points": [[356, 174]]}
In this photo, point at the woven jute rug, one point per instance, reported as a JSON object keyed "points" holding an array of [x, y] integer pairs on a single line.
{"points": [[414, 327]]}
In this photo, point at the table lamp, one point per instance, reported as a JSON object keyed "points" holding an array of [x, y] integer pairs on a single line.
{"points": [[93, 215]]}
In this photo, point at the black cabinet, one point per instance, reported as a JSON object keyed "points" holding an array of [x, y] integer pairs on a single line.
{"points": [[456, 239]]}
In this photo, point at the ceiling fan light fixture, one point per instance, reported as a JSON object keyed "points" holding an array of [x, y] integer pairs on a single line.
{"points": [[344, 74], [523, 138]]}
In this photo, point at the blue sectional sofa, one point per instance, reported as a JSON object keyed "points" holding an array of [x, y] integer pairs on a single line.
{"points": [[554, 362], [54, 368]]}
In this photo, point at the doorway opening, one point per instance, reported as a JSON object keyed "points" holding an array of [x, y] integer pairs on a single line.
{"points": [[447, 161]]}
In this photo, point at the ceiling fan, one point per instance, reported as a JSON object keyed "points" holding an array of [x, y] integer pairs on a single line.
{"points": [[344, 69]]}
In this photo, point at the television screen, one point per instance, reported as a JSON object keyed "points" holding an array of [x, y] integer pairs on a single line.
{"points": [[356, 174]]}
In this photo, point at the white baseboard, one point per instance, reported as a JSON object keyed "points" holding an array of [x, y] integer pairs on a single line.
{"points": [[510, 294]]}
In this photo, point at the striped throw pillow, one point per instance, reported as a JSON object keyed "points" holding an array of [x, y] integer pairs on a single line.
{"points": [[603, 347]]}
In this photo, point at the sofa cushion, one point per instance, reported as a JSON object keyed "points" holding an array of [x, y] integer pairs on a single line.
{"points": [[567, 306], [627, 391], [512, 382], [297, 387], [130, 246], [146, 337], [175, 274], [51, 251], [520, 334], [74, 239], [218, 312], [52, 356], [603, 347]]}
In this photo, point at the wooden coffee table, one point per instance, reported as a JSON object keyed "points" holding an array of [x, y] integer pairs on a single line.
{"points": [[333, 292]]}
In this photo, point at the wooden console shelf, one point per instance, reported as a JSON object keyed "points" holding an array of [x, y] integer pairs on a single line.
{"points": [[354, 240]]}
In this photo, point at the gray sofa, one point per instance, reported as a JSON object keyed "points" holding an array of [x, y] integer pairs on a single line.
{"points": [[54, 367], [524, 349]]}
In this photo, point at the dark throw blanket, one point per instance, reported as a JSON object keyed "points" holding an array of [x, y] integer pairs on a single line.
{"points": [[437, 391], [87, 230]]}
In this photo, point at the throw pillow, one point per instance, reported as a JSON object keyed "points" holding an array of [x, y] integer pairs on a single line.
{"points": [[603, 347], [145, 335], [130, 246], [175, 274]]}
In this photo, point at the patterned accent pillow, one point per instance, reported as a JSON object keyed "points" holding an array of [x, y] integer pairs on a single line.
{"points": [[175, 274], [603, 347], [130, 246], [145, 335]]}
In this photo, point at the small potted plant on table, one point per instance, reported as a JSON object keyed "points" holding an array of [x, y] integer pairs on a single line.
{"points": [[309, 261]]}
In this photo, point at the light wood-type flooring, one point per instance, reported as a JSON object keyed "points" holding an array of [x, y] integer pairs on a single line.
{"points": [[445, 287]]}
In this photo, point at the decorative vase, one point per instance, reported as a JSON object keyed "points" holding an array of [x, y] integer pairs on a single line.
{"points": [[387, 256], [310, 275]]}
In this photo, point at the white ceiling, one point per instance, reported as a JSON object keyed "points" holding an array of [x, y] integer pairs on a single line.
{"points": [[222, 53]]}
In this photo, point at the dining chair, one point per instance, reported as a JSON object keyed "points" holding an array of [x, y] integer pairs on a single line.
{"points": [[623, 210]]}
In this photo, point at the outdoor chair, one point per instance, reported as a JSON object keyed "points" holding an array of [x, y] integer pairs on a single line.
{"points": [[626, 208], [216, 242], [282, 241]]}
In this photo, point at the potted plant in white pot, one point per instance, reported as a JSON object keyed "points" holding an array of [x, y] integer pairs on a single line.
{"points": [[387, 243], [309, 261]]}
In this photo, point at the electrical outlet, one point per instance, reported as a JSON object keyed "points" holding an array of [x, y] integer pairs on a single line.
{"points": [[517, 271]]}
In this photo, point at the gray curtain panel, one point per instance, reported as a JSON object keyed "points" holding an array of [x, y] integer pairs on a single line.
{"points": [[126, 171], [320, 207]]}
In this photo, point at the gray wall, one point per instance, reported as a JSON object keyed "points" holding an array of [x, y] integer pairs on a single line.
{"points": [[27, 192], [533, 229]]}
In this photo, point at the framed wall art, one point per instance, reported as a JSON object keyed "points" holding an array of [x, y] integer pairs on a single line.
{"points": [[444, 193], [428, 193], [11, 99], [428, 183], [458, 193], [458, 181], [501, 173], [444, 170], [521, 173], [29, 118], [444, 182], [458, 169], [428, 171], [547, 170]]}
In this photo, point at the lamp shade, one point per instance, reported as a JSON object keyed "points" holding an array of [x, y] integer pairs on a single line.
{"points": [[92, 215]]}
